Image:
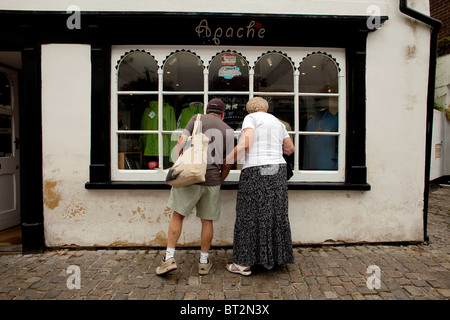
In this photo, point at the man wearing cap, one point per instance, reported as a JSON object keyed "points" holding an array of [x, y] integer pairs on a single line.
{"points": [[205, 197]]}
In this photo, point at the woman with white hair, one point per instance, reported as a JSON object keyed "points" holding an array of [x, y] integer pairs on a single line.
{"points": [[262, 233]]}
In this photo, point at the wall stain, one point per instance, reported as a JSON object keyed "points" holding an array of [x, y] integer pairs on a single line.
{"points": [[75, 210], [411, 52], [160, 239], [167, 211], [52, 197]]}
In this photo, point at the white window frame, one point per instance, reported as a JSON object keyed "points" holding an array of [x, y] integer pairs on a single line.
{"points": [[251, 54]]}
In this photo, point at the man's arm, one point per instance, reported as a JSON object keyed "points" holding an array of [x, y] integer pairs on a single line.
{"points": [[180, 145], [225, 171]]}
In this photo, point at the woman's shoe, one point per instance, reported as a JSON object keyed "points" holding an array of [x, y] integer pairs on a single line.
{"points": [[235, 268]]}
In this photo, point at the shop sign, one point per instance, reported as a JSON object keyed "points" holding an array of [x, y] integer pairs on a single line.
{"points": [[228, 72], [245, 32]]}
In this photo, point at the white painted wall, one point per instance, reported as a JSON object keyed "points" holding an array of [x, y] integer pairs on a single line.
{"points": [[397, 74]]}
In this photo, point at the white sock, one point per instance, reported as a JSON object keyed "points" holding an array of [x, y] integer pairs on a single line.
{"points": [[170, 252], [204, 257]]}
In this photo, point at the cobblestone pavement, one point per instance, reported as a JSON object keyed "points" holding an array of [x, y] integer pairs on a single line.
{"points": [[407, 272]]}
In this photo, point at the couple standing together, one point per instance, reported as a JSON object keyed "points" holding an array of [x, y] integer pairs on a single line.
{"points": [[262, 233]]}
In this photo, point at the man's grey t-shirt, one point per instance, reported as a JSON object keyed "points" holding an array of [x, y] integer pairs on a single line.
{"points": [[221, 137]]}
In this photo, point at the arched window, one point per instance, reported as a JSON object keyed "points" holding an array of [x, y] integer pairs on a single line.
{"points": [[318, 102], [318, 74], [228, 71], [138, 71], [183, 71], [274, 73]]}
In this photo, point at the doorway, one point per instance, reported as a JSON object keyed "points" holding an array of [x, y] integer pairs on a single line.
{"points": [[10, 229]]}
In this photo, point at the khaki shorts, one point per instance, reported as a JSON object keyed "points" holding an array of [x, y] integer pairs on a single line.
{"points": [[206, 199]]}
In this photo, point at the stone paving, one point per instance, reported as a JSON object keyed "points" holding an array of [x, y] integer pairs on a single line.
{"points": [[406, 272]]}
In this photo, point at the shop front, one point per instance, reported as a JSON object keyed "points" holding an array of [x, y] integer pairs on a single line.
{"points": [[107, 94]]}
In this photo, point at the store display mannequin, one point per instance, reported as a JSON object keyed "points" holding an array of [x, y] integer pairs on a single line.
{"points": [[321, 150]]}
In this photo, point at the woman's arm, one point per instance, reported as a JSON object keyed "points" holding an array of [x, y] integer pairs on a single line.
{"points": [[244, 144], [288, 146]]}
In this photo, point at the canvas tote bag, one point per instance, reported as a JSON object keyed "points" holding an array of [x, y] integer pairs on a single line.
{"points": [[190, 167]]}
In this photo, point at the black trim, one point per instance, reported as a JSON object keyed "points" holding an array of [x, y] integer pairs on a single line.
{"points": [[178, 28], [31, 198], [100, 168], [132, 185]]}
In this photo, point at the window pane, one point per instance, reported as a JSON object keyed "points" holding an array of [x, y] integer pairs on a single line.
{"points": [[319, 114], [274, 72], [228, 72], [235, 111], [5, 135], [318, 74], [138, 71], [183, 108], [138, 112], [183, 71], [130, 151], [320, 152], [169, 143], [283, 109]]}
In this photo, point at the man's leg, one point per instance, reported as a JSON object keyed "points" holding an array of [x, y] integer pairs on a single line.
{"points": [[207, 235], [206, 238], [175, 226]]}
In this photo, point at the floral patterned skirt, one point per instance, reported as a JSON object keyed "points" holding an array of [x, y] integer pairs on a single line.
{"points": [[262, 232]]}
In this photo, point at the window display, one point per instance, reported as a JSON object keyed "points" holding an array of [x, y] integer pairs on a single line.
{"points": [[159, 89]]}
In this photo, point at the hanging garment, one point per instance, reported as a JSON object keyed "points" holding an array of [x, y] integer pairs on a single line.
{"points": [[187, 113], [149, 142]]}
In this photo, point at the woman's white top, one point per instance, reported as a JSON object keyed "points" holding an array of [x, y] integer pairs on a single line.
{"points": [[267, 147]]}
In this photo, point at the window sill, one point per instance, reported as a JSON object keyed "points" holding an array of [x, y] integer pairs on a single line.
{"points": [[143, 185]]}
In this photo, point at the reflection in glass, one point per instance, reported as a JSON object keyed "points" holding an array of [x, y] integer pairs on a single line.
{"points": [[5, 135], [228, 71], [138, 71], [274, 72], [318, 74], [183, 71]]}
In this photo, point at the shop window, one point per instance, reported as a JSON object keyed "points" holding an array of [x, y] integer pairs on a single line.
{"points": [[153, 102], [274, 72], [321, 137], [228, 71]]}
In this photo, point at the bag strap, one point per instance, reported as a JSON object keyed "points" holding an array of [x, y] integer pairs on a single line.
{"points": [[196, 124]]}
